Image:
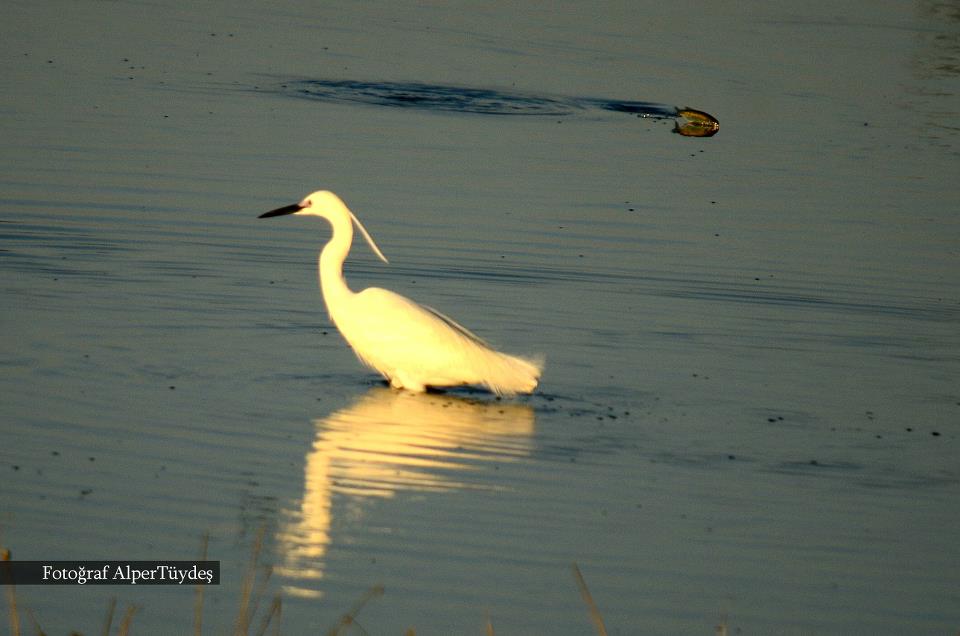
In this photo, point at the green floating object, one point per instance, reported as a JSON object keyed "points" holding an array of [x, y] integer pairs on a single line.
{"points": [[697, 124]]}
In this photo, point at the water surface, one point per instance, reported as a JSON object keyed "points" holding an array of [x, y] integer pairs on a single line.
{"points": [[749, 412]]}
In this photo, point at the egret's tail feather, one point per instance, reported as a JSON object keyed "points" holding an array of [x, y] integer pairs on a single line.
{"points": [[509, 375]]}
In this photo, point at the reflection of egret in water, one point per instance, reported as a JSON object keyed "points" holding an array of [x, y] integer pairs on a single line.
{"points": [[386, 442]]}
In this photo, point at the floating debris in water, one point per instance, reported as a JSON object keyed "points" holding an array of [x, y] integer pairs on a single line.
{"points": [[697, 124]]}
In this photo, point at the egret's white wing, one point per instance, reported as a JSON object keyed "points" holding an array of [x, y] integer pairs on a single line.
{"points": [[405, 340], [381, 323], [453, 324]]}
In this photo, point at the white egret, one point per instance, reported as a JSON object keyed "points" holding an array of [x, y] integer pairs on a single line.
{"points": [[411, 345]]}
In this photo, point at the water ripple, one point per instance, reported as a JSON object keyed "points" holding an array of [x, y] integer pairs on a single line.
{"points": [[486, 101]]}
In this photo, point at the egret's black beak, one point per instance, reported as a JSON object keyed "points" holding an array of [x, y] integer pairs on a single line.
{"points": [[287, 209]]}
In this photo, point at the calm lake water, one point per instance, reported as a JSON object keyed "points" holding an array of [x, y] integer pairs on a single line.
{"points": [[750, 415]]}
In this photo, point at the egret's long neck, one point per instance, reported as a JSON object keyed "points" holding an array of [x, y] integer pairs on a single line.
{"points": [[332, 283]]}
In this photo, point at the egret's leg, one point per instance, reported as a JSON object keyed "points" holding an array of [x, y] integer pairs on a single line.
{"points": [[399, 382]]}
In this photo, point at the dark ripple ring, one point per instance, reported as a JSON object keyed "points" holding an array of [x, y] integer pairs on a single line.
{"points": [[484, 101]]}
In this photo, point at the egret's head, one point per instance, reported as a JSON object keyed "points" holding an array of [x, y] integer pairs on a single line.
{"points": [[322, 203], [326, 204]]}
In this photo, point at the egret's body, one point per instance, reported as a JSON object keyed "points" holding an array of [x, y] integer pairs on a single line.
{"points": [[412, 346]]}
